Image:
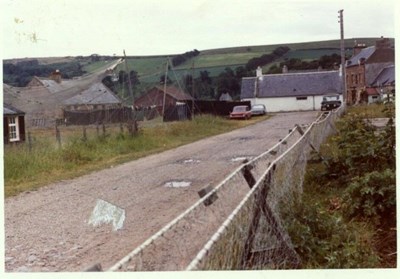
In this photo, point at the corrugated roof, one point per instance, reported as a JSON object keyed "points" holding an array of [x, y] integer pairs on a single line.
{"points": [[365, 53], [175, 92], [385, 77], [54, 86], [96, 94], [292, 84]]}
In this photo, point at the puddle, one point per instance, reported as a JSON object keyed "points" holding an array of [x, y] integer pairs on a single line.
{"points": [[106, 213], [190, 161], [242, 158], [244, 138], [177, 184]]}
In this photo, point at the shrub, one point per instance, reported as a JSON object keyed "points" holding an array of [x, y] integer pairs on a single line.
{"points": [[373, 196]]}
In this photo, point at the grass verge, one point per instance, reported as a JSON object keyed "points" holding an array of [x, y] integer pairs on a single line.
{"points": [[26, 170]]}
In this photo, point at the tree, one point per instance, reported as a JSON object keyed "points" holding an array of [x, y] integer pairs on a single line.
{"points": [[162, 79]]}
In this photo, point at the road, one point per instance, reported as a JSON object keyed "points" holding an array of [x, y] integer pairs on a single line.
{"points": [[49, 230]]}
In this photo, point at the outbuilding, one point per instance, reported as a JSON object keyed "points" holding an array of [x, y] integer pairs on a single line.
{"points": [[14, 124]]}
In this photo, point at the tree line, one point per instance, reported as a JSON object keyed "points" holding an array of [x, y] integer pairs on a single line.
{"points": [[181, 58], [21, 73]]}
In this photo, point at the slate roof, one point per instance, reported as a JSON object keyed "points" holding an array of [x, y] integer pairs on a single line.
{"points": [[52, 86], [10, 110], [292, 85], [364, 53], [385, 77], [96, 94]]}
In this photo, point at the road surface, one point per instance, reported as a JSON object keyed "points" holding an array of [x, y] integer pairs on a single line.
{"points": [[49, 229]]}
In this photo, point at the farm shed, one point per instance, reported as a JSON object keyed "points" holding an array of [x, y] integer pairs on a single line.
{"points": [[13, 124], [96, 97], [155, 97], [291, 91]]}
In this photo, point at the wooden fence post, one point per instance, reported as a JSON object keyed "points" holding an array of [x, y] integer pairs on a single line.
{"points": [[84, 134], [58, 136], [29, 141], [104, 130]]}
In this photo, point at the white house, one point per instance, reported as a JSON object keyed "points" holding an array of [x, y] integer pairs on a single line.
{"points": [[291, 91]]}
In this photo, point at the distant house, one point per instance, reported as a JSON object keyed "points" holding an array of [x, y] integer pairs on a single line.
{"points": [[291, 91], [363, 68], [383, 87], [97, 96], [155, 97], [14, 124], [225, 97]]}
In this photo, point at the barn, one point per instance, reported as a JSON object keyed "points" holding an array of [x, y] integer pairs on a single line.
{"points": [[155, 97]]}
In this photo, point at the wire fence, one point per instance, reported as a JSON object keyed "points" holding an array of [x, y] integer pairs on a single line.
{"points": [[239, 224]]}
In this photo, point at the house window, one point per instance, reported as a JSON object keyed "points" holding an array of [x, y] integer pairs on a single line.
{"points": [[301, 98], [13, 129]]}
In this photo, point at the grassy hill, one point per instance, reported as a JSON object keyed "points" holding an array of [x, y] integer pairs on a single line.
{"points": [[215, 61]]}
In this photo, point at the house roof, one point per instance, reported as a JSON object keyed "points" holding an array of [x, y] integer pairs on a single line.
{"points": [[385, 77], [292, 85], [96, 94], [175, 93], [10, 110], [365, 53], [53, 86]]}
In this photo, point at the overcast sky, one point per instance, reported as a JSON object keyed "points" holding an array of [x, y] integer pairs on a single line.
{"points": [[41, 28]]}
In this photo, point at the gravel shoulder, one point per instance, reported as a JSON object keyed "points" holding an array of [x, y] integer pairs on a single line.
{"points": [[49, 230]]}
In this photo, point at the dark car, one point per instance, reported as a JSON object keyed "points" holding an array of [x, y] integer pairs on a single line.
{"points": [[240, 112], [258, 109], [330, 102]]}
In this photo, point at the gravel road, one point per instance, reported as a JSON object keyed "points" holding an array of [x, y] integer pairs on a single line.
{"points": [[49, 230]]}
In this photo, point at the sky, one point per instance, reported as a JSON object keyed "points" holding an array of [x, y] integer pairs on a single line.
{"points": [[42, 28]]}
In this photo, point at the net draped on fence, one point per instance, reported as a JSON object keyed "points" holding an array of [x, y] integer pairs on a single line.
{"points": [[239, 224]]}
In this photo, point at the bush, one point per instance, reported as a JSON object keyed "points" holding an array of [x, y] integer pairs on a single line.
{"points": [[373, 196]]}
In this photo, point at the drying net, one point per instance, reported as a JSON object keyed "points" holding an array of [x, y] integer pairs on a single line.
{"points": [[238, 225]]}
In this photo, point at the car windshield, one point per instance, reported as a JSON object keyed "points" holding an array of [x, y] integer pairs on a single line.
{"points": [[258, 107], [239, 109], [331, 98]]}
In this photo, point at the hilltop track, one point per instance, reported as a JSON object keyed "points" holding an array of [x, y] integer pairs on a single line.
{"points": [[48, 230]]}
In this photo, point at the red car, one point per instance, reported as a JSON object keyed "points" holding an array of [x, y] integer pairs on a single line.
{"points": [[240, 112]]}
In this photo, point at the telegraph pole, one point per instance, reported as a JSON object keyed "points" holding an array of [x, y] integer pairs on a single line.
{"points": [[129, 81], [165, 86], [342, 55], [193, 89]]}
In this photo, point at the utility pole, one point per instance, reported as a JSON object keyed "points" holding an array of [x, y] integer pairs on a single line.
{"points": [[342, 55], [133, 126], [193, 90], [165, 86], [129, 82]]}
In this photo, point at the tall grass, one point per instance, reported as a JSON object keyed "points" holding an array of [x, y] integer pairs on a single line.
{"points": [[26, 169]]}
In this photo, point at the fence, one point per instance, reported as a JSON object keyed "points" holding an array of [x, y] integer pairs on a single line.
{"points": [[250, 203], [116, 115]]}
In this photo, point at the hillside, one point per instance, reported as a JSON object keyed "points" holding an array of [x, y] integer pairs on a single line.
{"points": [[150, 69]]}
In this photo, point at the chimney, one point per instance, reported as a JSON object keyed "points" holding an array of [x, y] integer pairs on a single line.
{"points": [[56, 76], [382, 43], [285, 69], [258, 72], [357, 48]]}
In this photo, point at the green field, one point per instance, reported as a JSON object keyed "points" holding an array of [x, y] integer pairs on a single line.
{"points": [[216, 60]]}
